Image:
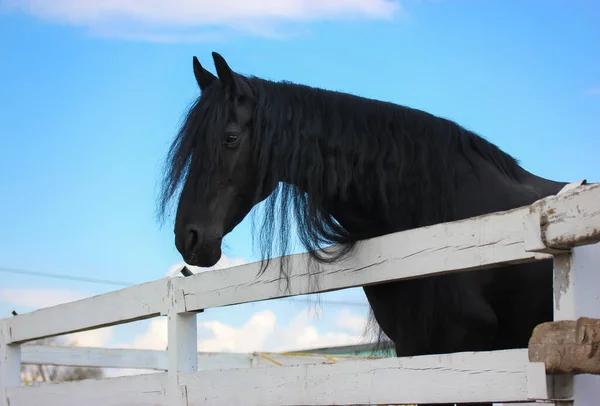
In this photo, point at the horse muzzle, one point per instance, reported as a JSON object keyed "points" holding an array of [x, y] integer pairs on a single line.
{"points": [[196, 250]]}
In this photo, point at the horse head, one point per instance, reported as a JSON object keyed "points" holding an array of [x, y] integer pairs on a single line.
{"points": [[213, 153]]}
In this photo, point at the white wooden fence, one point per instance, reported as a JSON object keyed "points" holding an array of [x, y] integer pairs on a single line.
{"points": [[128, 358], [566, 226]]}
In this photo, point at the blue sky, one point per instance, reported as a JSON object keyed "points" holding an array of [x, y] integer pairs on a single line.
{"points": [[91, 99]]}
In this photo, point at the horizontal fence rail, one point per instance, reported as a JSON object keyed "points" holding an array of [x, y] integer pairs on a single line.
{"points": [[470, 244], [158, 360], [501, 376], [548, 228]]}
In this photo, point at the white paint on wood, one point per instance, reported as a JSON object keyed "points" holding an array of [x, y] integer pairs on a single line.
{"points": [[222, 360], [117, 307], [140, 390], [444, 248], [572, 186], [94, 357], [157, 360], [569, 222], [586, 281], [182, 352], [537, 382], [468, 377], [577, 294], [10, 363], [283, 359], [533, 232], [464, 377]]}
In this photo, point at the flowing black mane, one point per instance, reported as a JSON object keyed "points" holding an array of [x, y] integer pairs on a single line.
{"points": [[333, 144]]}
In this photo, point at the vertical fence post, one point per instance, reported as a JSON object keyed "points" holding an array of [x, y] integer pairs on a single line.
{"points": [[576, 284], [182, 345], [10, 364]]}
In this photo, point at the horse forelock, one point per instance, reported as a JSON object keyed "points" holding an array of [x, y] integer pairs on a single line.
{"points": [[195, 151]]}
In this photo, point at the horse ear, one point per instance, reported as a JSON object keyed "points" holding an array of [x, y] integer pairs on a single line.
{"points": [[226, 75], [203, 77]]}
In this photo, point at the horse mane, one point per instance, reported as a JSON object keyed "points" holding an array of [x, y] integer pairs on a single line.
{"points": [[322, 146], [339, 146]]}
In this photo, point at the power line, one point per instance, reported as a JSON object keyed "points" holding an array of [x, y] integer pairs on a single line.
{"points": [[129, 284], [66, 277]]}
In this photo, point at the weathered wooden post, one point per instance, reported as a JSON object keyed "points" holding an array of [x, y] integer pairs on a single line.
{"points": [[10, 363], [576, 291], [576, 294], [182, 344]]}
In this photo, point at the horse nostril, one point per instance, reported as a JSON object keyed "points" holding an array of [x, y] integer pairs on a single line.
{"points": [[192, 238]]}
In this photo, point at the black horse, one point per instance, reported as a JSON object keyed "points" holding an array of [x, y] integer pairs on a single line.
{"points": [[345, 169]]}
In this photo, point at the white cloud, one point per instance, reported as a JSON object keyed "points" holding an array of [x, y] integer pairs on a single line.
{"points": [[262, 333], [178, 20], [92, 338], [155, 337], [351, 322], [224, 262], [249, 337]]}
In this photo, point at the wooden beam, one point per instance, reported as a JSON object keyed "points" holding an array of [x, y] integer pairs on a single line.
{"points": [[138, 390], [10, 364], [567, 224], [125, 358], [157, 359], [576, 281], [567, 346], [503, 376], [93, 357], [121, 306]]}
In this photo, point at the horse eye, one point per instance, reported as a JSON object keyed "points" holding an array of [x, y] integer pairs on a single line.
{"points": [[231, 139]]}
